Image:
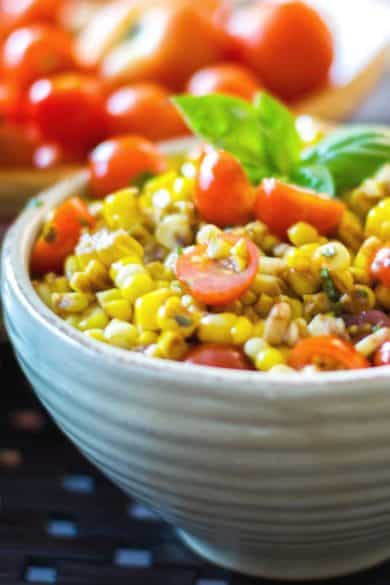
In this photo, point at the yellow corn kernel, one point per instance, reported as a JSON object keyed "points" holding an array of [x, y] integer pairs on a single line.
{"points": [[302, 233], [93, 318], [147, 338], [137, 286], [258, 328], [360, 298], [218, 248], [350, 231], [241, 331], [121, 334], [120, 210], [207, 233], [158, 271], [295, 305], [119, 309], [362, 199], [343, 281], [273, 266], [125, 267], [334, 256], [362, 261], [70, 302], [267, 284], [254, 346], [304, 283], [72, 265], [248, 298], [147, 307], [264, 305], [378, 220], [239, 253], [183, 188], [173, 231], [216, 328], [172, 316], [96, 334], [171, 346], [44, 292], [301, 258], [108, 246], [268, 359], [58, 284], [383, 296]]}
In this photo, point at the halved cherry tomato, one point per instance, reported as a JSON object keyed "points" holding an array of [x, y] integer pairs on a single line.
{"points": [[144, 109], [219, 356], [279, 205], [60, 236], [116, 162], [380, 265], [382, 355], [226, 78], [328, 351], [69, 109], [37, 51], [214, 282], [224, 195], [287, 43]]}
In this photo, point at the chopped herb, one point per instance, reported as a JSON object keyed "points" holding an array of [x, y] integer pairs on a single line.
{"points": [[179, 250], [50, 234], [329, 287], [35, 202], [183, 321], [377, 327], [140, 180]]}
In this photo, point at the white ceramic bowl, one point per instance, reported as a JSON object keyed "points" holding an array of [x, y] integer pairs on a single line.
{"points": [[268, 475]]}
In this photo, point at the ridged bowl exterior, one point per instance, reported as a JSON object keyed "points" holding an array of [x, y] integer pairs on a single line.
{"points": [[286, 478]]}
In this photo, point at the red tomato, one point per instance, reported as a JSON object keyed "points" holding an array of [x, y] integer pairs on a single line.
{"points": [[279, 205], [382, 355], [17, 145], [33, 52], [214, 282], [69, 109], [60, 236], [116, 162], [219, 356], [144, 109], [287, 43], [50, 156], [20, 12], [223, 193], [226, 78], [380, 265], [12, 102], [326, 350]]}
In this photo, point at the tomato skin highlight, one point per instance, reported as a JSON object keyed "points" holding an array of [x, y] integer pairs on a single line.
{"points": [[223, 195], [380, 265], [226, 78], [116, 162], [326, 347], [219, 356], [60, 236], [382, 355], [279, 205], [209, 281]]}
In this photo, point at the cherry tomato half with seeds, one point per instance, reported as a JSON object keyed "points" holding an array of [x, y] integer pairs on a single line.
{"points": [[382, 355], [326, 351], [223, 195], [280, 205], [215, 282], [226, 78], [60, 235], [219, 356], [380, 265], [115, 163]]}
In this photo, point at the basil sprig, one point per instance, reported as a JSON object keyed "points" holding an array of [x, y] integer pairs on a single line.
{"points": [[264, 138]]}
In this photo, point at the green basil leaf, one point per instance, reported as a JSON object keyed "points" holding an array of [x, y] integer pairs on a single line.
{"points": [[229, 123], [315, 177], [281, 138], [351, 155]]}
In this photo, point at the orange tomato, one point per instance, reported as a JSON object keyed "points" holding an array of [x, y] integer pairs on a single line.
{"points": [[382, 355], [225, 78], [214, 282], [60, 235], [33, 52], [69, 109], [380, 265], [218, 356], [223, 194], [326, 350], [279, 205], [116, 162], [144, 109], [287, 43]]}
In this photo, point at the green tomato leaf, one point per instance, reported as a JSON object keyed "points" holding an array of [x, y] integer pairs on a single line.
{"points": [[315, 177], [282, 142]]}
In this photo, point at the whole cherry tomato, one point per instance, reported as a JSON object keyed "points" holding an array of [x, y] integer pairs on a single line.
{"points": [[279, 205], [223, 194], [69, 109], [36, 51], [50, 156], [116, 162], [287, 43], [382, 355], [215, 282], [380, 265], [219, 356], [326, 351], [144, 109], [12, 102], [60, 235], [226, 78]]}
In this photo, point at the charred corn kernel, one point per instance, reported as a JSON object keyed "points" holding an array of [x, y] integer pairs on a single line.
{"points": [[172, 316], [334, 256], [171, 346], [140, 233], [147, 307], [72, 265], [303, 283], [315, 303], [268, 359], [108, 246], [44, 292], [301, 258], [173, 231], [216, 328], [241, 331], [383, 296], [248, 298], [121, 334], [120, 210], [378, 220], [96, 334], [267, 284], [302, 233], [250, 313], [264, 305], [343, 281], [277, 323], [93, 318], [147, 338], [362, 261], [360, 298], [351, 231], [206, 233], [95, 277], [254, 346], [70, 302]]}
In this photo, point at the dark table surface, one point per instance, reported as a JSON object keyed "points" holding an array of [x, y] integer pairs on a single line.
{"points": [[62, 522]]}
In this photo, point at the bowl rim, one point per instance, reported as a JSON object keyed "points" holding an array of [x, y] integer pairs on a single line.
{"points": [[16, 247]]}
